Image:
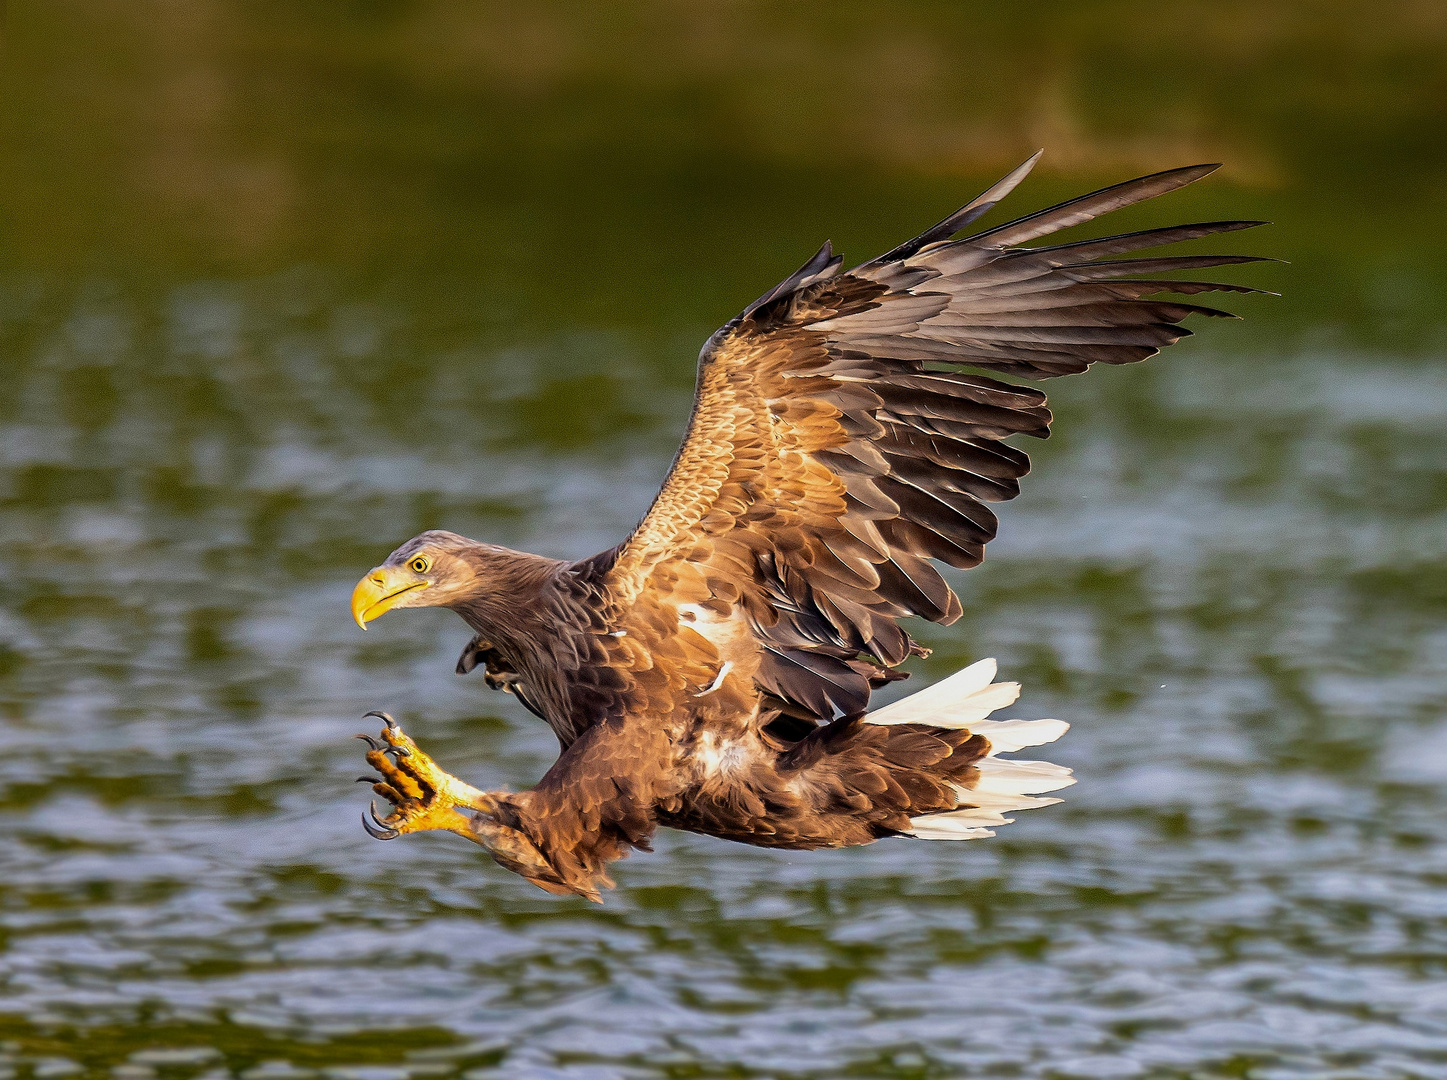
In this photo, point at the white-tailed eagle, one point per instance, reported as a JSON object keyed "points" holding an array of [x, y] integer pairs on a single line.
{"points": [[713, 671]]}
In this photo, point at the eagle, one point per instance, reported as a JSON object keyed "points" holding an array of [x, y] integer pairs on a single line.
{"points": [[712, 672]]}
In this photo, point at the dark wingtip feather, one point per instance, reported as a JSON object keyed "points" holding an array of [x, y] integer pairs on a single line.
{"points": [[1142, 239], [976, 208], [1092, 205], [1186, 288], [1202, 170], [819, 264]]}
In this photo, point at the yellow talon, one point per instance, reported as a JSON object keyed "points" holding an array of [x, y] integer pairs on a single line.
{"points": [[424, 797]]}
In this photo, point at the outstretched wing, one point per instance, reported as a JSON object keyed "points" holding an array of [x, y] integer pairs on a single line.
{"points": [[839, 441]]}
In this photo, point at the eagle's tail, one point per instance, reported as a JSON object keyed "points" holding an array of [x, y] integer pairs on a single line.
{"points": [[995, 786]]}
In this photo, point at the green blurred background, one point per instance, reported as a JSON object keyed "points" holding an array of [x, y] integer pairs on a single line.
{"points": [[678, 151], [283, 283]]}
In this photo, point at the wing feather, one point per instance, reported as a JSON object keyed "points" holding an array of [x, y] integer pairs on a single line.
{"points": [[838, 442]]}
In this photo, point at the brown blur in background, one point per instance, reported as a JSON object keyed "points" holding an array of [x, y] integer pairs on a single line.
{"points": [[689, 141]]}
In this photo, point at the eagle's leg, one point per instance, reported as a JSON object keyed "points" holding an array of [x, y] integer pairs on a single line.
{"points": [[423, 796]]}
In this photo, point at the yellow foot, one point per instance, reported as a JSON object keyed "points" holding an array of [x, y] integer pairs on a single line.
{"points": [[423, 797]]}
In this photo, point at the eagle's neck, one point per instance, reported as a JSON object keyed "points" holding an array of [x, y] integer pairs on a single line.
{"points": [[537, 614]]}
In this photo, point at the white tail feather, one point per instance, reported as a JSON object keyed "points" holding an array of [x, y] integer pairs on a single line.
{"points": [[945, 827], [956, 702], [1007, 736], [1004, 804], [1002, 785], [1004, 776]]}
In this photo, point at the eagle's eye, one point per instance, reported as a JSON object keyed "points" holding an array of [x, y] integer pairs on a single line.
{"points": [[421, 564]]}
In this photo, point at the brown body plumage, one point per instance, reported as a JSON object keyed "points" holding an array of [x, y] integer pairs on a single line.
{"points": [[712, 672]]}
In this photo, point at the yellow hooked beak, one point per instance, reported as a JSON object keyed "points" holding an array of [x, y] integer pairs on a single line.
{"points": [[379, 592]]}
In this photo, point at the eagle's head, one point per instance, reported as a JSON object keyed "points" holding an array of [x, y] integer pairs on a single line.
{"points": [[433, 569]]}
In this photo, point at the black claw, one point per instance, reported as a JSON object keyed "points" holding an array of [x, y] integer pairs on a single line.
{"points": [[373, 743], [400, 751], [369, 779], [378, 834], [377, 827], [384, 717]]}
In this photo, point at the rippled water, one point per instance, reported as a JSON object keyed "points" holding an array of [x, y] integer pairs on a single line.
{"points": [[1227, 572]]}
